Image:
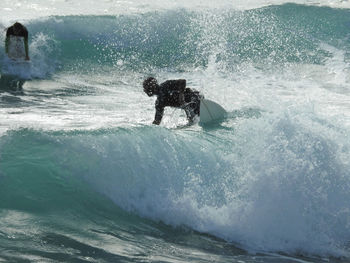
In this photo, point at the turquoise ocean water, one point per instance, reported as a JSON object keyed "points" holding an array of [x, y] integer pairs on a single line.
{"points": [[85, 177]]}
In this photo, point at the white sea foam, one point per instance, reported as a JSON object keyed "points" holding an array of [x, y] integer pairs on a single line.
{"points": [[277, 183]]}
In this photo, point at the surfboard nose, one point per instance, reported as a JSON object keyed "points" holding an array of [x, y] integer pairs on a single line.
{"points": [[210, 111]]}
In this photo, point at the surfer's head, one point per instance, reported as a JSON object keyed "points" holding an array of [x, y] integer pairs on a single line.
{"points": [[150, 85], [17, 27]]}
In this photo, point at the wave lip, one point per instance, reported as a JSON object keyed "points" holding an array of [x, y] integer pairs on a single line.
{"points": [[185, 40]]}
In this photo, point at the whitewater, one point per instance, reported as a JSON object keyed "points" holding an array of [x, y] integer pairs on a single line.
{"points": [[86, 177]]}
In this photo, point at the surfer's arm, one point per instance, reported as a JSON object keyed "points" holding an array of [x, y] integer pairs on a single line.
{"points": [[7, 41], [9, 32], [159, 113]]}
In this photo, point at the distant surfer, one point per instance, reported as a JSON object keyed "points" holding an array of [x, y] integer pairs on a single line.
{"points": [[16, 42], [173, 93]]}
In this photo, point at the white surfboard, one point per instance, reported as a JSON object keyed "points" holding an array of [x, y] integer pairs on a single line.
{"points": [[15, 64], [210, 111], [16, 50]]}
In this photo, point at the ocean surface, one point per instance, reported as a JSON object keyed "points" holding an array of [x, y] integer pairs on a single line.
{"points": [[86, 177]]}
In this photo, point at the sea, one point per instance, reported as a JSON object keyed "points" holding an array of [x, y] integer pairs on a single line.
{"points": [[86, 177]]}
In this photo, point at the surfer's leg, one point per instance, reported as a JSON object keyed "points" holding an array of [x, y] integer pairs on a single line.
{"points": [[192, 110], [195, 103], [189, 113], [192, 106]]}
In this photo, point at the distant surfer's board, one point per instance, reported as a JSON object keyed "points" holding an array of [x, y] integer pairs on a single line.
{"points": [[15, 64], [210, 111], [16, 50]]}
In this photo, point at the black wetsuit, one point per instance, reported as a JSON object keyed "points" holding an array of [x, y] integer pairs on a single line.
{"points": [[168, 94], [23, 32]]}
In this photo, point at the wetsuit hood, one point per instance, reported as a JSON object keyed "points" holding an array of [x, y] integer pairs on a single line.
{"points": [[150, 86]]}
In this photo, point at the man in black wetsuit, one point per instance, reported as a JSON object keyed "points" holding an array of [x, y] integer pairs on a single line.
{"points": [[173, 93], [18, 30]]}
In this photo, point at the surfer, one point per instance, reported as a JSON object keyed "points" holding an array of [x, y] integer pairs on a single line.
{"points": [[173, 93], [18, 33]]}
